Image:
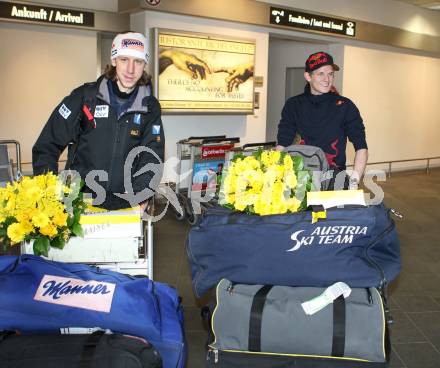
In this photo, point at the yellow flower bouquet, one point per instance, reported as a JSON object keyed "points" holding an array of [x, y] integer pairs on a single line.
{"points": [[267, 182], [41, 209]]}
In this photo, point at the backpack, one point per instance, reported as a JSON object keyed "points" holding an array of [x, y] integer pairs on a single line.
{"points": [[315, 161]]}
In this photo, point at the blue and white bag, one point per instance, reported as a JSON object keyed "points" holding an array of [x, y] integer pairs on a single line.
{"points": [[356, 245], [40, 296]]}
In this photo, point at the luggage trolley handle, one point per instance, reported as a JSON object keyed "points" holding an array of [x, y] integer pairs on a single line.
{"points": [[207, 137], [261, 144], [221, 140], [201, 138], [17, 155]]}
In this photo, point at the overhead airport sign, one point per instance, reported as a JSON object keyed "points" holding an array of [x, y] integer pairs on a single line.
{"points": [[295, 19], [45, 14]]}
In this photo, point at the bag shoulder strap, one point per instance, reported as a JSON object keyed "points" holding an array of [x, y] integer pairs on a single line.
{"points": [[256, 318], [90, 90], [89, 101], [338, 345]]}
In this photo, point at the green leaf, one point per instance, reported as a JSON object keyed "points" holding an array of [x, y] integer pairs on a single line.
{"points": [[70, 221], [257, 154], [77, 230], [76, 215], [237, 156], [58, 242], [303, 178], [298, 163], [41, 246], [3, 231], [282, 155]]}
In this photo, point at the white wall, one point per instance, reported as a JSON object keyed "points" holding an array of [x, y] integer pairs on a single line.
{"points": [[250, 128], [388, 12], [104, 5], [398, 96], [40, 65], [284, 54]]}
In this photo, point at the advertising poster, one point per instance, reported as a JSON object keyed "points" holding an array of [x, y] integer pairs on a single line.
{"points": [[208, 167], [204, 73], [205, 174]]}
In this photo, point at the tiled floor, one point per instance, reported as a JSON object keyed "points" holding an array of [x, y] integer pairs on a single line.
{"points": [[414, 296]]}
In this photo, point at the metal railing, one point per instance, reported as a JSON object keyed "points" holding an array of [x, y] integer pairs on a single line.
{"points": [[389, 163]]}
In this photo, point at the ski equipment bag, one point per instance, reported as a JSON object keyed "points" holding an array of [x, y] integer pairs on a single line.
{"points": [[357, 245], [41, 296]]}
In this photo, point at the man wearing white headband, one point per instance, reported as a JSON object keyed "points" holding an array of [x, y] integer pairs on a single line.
{"points": [[102, 122]]}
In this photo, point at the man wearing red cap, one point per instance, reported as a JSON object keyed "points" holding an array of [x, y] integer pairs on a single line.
{"points": [[325, 119], [102, 122]]}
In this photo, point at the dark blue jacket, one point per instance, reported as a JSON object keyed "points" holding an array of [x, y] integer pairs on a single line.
{"points": [[325, 121], [107, 145]]}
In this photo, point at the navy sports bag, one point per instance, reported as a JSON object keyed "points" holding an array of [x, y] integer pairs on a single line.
{"points": [[356, 245], [41, 296]]}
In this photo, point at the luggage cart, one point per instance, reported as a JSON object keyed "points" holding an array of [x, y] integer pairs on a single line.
{"points": [[7, 172], [117, 240], [248, 149], [203, 158]]}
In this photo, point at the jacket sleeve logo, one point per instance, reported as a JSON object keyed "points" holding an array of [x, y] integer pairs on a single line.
{"points": [[64, 111], [135, 133], [92, 295]]}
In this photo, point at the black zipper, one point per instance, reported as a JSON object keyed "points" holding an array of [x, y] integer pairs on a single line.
{"points": [[113, 160], [308, 221], [215, 211], [383, 280]]}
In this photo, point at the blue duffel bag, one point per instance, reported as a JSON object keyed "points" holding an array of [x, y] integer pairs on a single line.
{"points": [[356, 245], [40, 296]]}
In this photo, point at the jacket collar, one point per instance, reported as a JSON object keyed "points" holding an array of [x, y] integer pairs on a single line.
{"points": [[140, 102]]}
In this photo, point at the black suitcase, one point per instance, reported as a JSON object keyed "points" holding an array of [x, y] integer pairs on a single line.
{"points": [[97, 350]]}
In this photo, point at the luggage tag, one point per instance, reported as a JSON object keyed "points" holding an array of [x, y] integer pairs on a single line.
{"points": [[328, 296]]}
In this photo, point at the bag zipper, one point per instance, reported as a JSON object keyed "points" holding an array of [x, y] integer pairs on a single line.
{"points": [[304, 214], [383, 281], [215, 352]]}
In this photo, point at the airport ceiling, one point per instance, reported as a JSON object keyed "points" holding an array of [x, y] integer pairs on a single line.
{"points": [[429, 4]]}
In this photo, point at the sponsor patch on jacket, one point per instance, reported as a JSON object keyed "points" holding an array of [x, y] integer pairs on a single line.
{"points": [[155, 129], [137, 119], [91, 294], [64, 111], [135, 133], [101, 111]]}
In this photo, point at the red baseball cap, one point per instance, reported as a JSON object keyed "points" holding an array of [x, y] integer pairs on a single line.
{"points": [[319, 59]]}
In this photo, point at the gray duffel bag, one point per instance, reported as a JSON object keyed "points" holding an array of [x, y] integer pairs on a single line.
{"points": [[270, 319]]}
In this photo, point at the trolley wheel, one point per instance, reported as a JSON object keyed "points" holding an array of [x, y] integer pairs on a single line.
{"points": [[192, 218]]}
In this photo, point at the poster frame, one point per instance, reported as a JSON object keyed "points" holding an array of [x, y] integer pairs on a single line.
{"points": [[212, 111]]}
